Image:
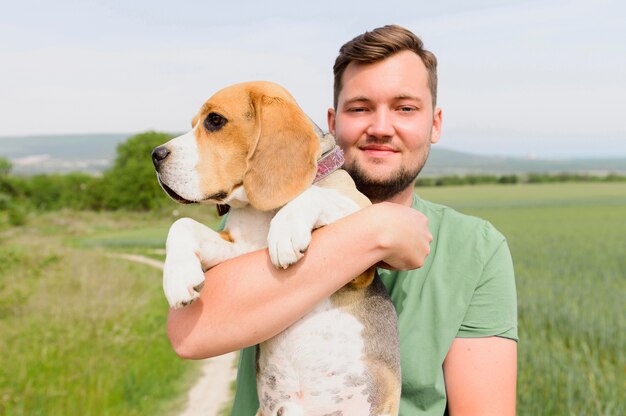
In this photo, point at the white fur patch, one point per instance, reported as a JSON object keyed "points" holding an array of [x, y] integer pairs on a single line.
{"points": [[179, 169], [290, 231], [316, 365], [249, 227], [238, 197], [191, 247]]}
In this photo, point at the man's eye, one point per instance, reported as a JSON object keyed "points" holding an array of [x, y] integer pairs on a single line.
{"points": [[407, 109], [357, 109], [214, 122]]}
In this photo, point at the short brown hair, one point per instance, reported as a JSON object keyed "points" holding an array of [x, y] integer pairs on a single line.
{"points": [[379, 44]]}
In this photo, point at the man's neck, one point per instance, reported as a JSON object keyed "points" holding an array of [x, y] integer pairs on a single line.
{"points": [[404, 197]]}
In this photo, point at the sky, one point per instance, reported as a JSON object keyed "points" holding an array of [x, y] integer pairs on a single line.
{"points": [[525, 78]]}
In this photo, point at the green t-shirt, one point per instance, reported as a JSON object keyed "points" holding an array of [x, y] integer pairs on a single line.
{"points": [[465, 289]]}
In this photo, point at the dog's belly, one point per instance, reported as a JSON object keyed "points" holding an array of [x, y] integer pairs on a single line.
{"points": [[316, 364]]}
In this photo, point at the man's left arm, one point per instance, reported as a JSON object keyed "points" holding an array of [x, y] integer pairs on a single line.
{"points": [[481, 376], [480, 368]]}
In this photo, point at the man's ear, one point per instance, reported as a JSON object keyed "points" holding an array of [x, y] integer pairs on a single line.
{"points": [[330, 118], [436, 130]]}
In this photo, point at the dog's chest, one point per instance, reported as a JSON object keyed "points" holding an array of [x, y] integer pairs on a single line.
{"points": [[249, 227], [318, 363]]}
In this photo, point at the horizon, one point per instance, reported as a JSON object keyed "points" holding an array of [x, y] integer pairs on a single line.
{"points": [[526, 157], [516, 78]]}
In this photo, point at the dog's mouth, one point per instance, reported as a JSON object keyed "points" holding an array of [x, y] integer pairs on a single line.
{"points": [[170, 192], [217, 198]]}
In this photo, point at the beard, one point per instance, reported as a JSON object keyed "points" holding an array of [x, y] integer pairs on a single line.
{"points": [[379, 190]]}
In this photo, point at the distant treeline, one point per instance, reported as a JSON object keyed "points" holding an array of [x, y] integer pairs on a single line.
{"points": [[456, 180], [131, 184]]}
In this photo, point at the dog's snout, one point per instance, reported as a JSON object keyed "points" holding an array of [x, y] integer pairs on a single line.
{"points": [[158, 155]]}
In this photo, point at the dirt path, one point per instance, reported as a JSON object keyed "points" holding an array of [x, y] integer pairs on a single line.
{"points": [[140, 259], [212, 390]]}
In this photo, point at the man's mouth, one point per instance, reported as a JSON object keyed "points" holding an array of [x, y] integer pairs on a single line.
{"points": [[378, 150]]}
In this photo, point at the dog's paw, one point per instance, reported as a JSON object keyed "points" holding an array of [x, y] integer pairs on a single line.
{"points": [[287, 240], [183, 279]]}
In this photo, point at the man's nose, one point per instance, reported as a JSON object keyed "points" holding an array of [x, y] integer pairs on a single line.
{"points": [[381, 124]]}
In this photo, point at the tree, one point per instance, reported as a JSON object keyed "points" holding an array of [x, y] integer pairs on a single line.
{"points": [[131, 183], [16, 212], [5, 166]]}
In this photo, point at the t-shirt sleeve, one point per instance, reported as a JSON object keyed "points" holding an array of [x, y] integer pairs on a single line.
{"points": [[493, 307]]}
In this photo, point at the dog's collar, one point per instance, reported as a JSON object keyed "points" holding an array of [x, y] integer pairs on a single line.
{"points": [[328, 163]]}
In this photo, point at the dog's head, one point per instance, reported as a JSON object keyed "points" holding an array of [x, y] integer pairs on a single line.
{"points": [[249, 141]]}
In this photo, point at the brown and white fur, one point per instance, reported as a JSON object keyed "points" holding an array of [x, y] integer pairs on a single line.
{"points": [[252, 148]]}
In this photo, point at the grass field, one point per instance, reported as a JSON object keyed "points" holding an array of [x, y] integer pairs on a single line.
{"points": [[568, 243], [84, 333]]}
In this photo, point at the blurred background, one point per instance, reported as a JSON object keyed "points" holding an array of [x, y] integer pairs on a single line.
{"points": [[533, 140]]}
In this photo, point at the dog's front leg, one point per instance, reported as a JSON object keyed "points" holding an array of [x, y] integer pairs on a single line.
{"points": [[191, 248], [290, 229]]}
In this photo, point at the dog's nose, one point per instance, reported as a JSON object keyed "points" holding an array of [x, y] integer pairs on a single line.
{"points": [[158, 155]]}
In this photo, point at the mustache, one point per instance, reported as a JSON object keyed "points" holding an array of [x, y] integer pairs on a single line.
{"points": [[377, 141]]}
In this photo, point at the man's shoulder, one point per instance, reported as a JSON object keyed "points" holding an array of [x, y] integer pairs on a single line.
{"points": [[445, 220], [444, 213]]}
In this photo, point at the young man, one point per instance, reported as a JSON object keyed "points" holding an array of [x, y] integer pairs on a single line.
{"points": [[456, 308]]}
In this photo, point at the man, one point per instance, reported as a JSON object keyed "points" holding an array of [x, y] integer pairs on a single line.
{"points": [[456, 308]]}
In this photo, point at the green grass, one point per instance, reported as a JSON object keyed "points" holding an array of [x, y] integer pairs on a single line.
{"points": [[568, 244], [150, 237], [82, 333]]}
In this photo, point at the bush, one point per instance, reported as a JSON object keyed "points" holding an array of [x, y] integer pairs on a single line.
{"points": [[13, 209], [18, 215], [508, 179], [5, 166], [131, 182]]}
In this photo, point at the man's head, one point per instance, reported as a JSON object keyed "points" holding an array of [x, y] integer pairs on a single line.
{"points": [[381, 43], [384, 116]]}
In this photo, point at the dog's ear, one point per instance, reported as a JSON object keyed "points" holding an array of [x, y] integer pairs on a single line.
{"points": [[282, 160]]}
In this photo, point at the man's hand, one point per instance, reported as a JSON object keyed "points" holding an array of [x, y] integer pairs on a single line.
{"points": [[403, 234]]}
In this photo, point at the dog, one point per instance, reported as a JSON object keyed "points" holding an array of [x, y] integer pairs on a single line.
{"points": [[253, 150]]}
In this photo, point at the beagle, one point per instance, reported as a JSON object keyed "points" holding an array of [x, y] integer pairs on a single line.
{"points": [[253, 149]]}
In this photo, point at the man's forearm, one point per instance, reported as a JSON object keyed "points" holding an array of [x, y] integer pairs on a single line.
{"points": [[246, 300]]}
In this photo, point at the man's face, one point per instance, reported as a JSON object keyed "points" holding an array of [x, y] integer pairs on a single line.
{"points": [[385, 123]]}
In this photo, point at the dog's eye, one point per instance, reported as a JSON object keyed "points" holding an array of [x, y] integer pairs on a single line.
{"points": [[214, 122]]}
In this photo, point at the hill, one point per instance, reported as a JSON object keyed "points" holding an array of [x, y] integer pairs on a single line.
{"points": [[444, 161], [94, 153], [91, 153]]}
